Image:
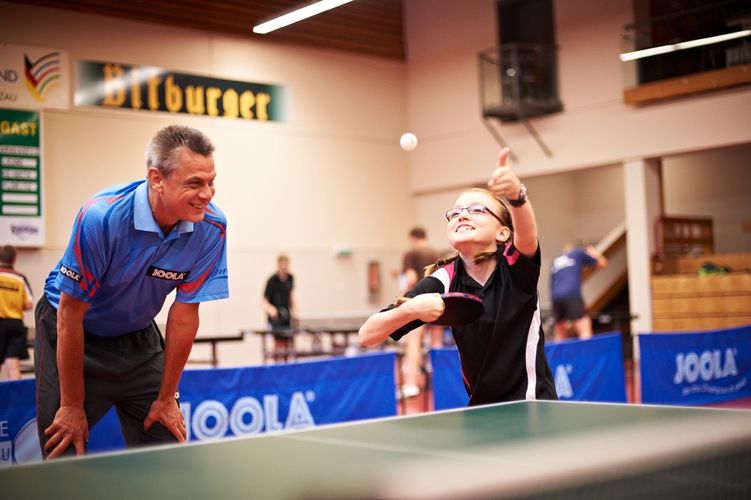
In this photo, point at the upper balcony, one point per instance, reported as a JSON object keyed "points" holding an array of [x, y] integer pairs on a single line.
{"points": [[673, 53]]}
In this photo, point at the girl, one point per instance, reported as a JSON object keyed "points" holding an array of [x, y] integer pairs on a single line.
{"points": [[502, 353]]}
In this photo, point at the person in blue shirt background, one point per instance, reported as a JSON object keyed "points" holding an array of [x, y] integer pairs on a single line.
{"points": [[96, 343], [569, 309]]}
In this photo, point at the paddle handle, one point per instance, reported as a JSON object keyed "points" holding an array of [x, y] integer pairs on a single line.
{"points": [[400, 299]]}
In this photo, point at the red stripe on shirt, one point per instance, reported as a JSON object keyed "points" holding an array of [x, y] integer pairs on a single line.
{"points": [[195, 285], [87, 276], [451, 271], [511, 259]]}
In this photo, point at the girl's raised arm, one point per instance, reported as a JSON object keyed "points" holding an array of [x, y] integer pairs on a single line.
{"points": [[504, 183]]}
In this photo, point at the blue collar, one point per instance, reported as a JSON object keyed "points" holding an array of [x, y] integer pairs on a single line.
{"points": [[143, 219]]}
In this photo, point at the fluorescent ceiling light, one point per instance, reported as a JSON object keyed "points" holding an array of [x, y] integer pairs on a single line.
{"points": [[664, 49], [297, 15]]}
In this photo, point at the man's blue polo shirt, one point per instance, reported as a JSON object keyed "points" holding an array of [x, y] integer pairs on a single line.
{"points": [[119, 262]]}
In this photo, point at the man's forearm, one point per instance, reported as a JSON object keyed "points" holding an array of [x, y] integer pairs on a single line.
{"points": [[70, 366], [182, 326], [70, 350]]}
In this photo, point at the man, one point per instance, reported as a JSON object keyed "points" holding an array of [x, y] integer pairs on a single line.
{"points": [[15, 297], [568, 305], [417, 258], [96, 342], [280, 305]]}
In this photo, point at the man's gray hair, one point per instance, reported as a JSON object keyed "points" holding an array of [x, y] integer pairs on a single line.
{"points": [[164, 147]]}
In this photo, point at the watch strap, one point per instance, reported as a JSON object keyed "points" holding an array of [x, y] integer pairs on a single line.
{"points": [[521, 200]]}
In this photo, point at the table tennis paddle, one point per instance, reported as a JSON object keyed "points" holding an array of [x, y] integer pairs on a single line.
{"points": [[460, 308]]}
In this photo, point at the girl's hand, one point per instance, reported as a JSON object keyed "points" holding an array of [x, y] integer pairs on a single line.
{"points": [[504, 183], [426, 307]]}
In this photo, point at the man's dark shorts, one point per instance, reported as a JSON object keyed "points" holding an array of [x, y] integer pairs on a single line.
{"points": [[569, 309], [124, 372]]}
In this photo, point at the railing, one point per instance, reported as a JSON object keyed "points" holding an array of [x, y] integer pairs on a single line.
{"points": [[685, 52]]}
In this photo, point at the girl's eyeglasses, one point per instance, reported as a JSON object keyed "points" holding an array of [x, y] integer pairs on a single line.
{"points": [[475, 209]]}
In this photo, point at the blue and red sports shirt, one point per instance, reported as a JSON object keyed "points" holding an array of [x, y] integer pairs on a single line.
{"points": [[119, 261]]}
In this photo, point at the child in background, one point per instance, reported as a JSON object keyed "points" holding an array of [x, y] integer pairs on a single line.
{"points": [[502, 353]]}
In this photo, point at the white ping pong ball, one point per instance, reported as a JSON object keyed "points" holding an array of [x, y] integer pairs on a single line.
{"points": [[408, 141]]}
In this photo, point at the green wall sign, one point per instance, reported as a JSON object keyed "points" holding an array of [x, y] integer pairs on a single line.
{"points": [[21, 221]]}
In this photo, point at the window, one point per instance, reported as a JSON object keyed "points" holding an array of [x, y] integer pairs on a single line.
{"points": [[666, 22]]}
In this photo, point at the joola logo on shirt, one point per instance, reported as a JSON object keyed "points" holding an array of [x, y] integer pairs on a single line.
{"points": [[70, 274], [165, 274]]}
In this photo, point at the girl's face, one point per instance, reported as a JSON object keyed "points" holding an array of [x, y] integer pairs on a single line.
{"points": [[479, 231]]}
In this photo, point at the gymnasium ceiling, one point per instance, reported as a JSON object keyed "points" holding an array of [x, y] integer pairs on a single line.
{"points": [[368, 27]]}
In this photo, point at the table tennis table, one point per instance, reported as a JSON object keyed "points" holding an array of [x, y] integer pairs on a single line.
{"points": [[339, 331], [541, 449]]}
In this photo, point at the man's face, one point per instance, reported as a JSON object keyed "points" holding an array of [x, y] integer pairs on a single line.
{"points": [[283, 266], [186, 193]]}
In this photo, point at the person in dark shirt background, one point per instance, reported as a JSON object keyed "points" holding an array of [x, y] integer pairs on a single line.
{"points": [[280, 305], [419, 256]]}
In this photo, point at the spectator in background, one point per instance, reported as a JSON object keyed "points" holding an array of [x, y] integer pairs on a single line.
{"points": [[569, 309], [418, 257], [280, 305], [15, 298]]}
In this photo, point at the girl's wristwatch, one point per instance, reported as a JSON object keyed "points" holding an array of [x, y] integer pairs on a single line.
{"points": [[521, 200]]}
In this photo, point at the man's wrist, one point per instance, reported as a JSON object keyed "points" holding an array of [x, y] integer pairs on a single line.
{"points": [[169, 397], [72, 399], [72, 406]]}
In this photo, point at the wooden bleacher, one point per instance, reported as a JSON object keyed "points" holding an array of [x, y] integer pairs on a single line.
{"points": [[737, 262], [687, 301]]}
